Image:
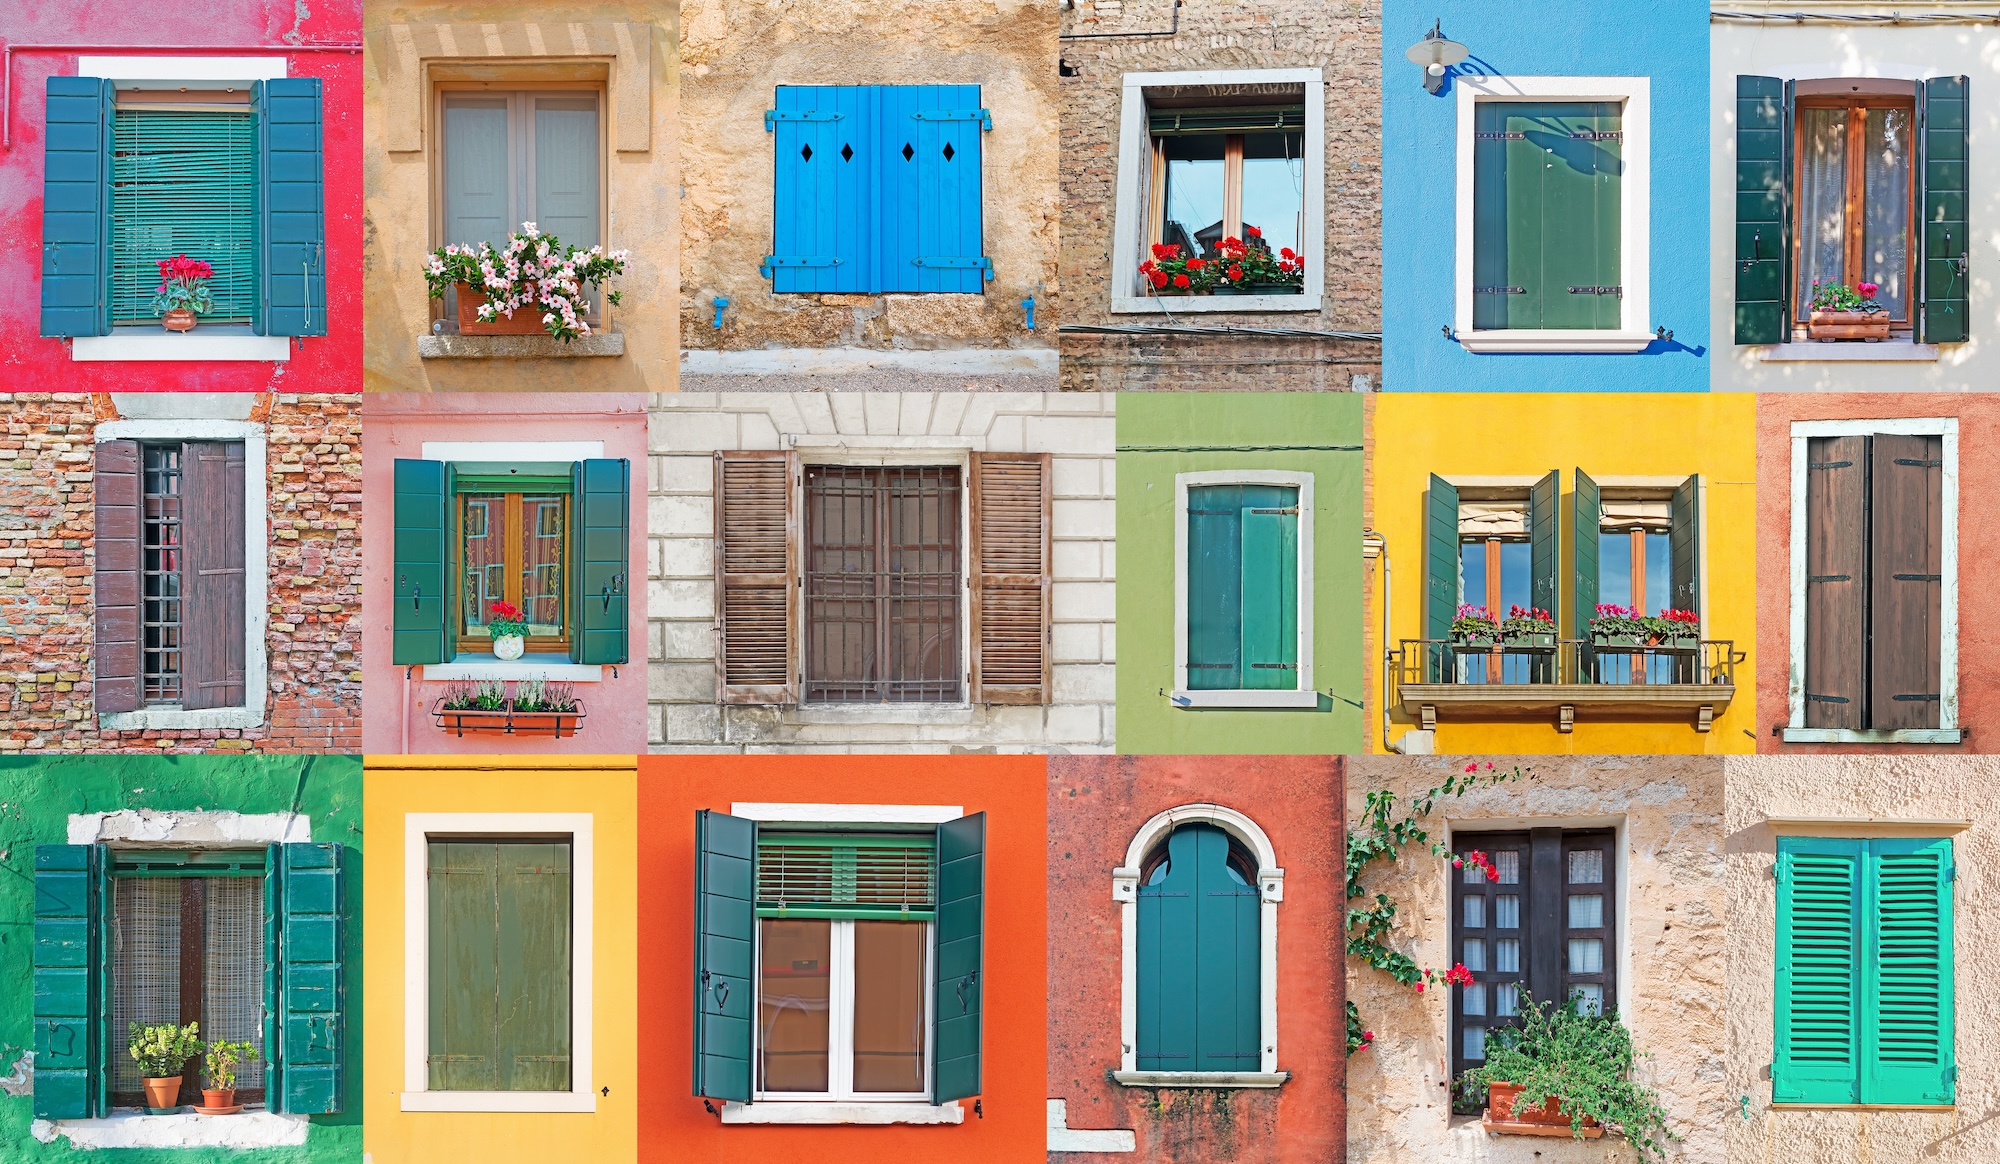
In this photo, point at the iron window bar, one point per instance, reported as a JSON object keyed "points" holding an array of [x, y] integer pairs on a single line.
{"points": [[160, 569]]}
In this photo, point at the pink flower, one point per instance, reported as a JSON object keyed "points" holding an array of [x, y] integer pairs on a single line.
{"points": [[1867, 290]]}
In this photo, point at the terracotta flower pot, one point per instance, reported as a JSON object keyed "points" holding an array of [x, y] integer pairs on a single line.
{"points": [[161, 1092], [1500, 1099], [179, 319], [1868, 326], [527, 319], [211, 1098]]}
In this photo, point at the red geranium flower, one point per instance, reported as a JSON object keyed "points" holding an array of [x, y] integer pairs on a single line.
{"points": [[1235, 272], [1181, 281]]}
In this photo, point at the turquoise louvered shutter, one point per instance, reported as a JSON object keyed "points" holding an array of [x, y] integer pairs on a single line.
{"points": [[422, 607], [1199, 969], [305, 979], [724, 945], [1763, 187], [1215, 588], [1585, 517], [1684, 545], [959, 958], [602, 496], [1270, 588], [939, 161], [1946, 314], [71, 1007], [1817, 1050], [1440, 558], [291, 207], [76, 207], [1906, 1046], [1544, 543]]}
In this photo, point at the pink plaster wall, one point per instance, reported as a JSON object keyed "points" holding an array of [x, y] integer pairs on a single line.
{"points": [[397, 425], [31, 363], [1978, 552]]}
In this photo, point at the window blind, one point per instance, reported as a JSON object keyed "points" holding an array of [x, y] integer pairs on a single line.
{"points": [[838, 875], [183, 182]]}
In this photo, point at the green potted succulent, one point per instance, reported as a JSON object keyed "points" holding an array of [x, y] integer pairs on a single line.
{"points": [[1474, 627], [162, 1050], [1528, 626], [218, 1068]]}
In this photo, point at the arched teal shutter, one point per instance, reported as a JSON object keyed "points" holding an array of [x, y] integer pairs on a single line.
{"points": [[725, 936], [1943, 120], [76, 207], [422, 598], [1763, 200], [305, 979], [291, 207], [1198, 977], [602, 498], [959, 958], [71, 1005]]}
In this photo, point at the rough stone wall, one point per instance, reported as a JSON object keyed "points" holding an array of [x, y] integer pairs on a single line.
{"points": [[1670, 949], [1935, 789], [688, 428]]}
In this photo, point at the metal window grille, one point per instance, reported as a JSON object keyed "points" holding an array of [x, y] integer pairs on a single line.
{"points": [[183, 183], [162, 574], [883, 583]]}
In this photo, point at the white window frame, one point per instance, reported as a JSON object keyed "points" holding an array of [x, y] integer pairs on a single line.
{"points": [[840, 1026], [1135, 166], [256, 539], [418, 829], [1948, 730], [1270, 892], [1635, 213], [1305, 695]]}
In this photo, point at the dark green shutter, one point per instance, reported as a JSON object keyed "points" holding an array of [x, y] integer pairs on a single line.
{"points": [[1271, 595], [76, 207], [1440, 558], [1763, 189], [1906, 980], [1817, 1051], [1942, 122], [1684, 545], [291, 207], [1199, 961], [422, 607], [305, 978], [1544, 543], [1215, 570], [602, 560], [724, 941], [1586, 516], [960, 936], [71, 1009], [1547, 214]]}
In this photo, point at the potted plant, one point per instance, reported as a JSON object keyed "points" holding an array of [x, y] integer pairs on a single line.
{"points": [[540, 706], [183, 292], [472, 706], [1169, 272], [537, 708], [1618, 626], [1677, 628], [162, 1050], [1474, 627], [1840, 312], [536, 275], [1256, 271], [218, 1064], [1528, 626], [509, 629]]}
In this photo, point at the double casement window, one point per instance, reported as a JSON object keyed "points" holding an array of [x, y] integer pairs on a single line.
{"points": [[838, 962], [1544, 920], [877, 189], [1851, 180], [1864, 972], [246, 942], [1199, 954], [551, 538], [1243, 589], [882, 583]]}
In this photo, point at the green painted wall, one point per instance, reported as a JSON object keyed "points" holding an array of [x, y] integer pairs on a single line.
{"points": [[37, 797], [1161, 434]]}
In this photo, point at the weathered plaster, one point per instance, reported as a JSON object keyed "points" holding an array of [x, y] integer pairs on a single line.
{"points": [[249, 1129], [145, 826]]}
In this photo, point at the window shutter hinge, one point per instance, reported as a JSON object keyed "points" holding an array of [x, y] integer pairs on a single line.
{"points": [[980, 262], [983, 116], [1951, 874], [772, 262], [773, 116]]}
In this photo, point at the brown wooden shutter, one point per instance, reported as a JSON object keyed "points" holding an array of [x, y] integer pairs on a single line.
{"points": [[119, 525], [756, 577], [1906, 589], [1836, 580], [1010, 577], [212, 574]]}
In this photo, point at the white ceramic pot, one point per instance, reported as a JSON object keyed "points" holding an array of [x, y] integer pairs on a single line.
{"points": [[509, 646]]}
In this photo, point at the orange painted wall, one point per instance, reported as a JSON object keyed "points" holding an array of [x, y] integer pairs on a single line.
{"points": [[1012, 791]]}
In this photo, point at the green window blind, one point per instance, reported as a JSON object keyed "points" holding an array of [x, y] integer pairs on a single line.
{"points": [[183, 182], [842, 875], [1243, 577], [1199, 964], [1547, 181]]}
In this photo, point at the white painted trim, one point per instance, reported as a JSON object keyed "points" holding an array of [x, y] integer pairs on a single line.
{"points": [[185, 346], [418, 827], [783, 1112], [1635, 213], [1270, 892], [146, 826], [1184, 697], [839, 361], [1063, 1138], [512, 450], [1201, 1079], [846, 813], [874, 449], [1135, 166], [134, 1129], [467, 666], [256, 562], [1795, 721], [154, 72], [1839, 353]]}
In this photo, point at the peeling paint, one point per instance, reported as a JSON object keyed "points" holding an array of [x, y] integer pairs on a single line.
{"points": [[21, 1080]]}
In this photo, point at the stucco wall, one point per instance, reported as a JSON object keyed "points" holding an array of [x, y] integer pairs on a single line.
{"points": [[689, 428], [1668, 815], [1096, 806], [1953, 796]]}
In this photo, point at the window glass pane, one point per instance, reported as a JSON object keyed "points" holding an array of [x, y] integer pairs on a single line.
{"points": [[1586, 911], [1473, 999], [565, 190], [794, 1005], [1507, 863], [1507, 912], [1274, 187], [1472, 572], [183, 182], [543, 538], [1885, 230], [1592, 997], [1194, 192], [1822, 198], [1475, 1043], [1546, 214], [483, 533], [889, 1006], [1516, 580], [1659, 573], [1586, 955], [476, 171], [1507, 955], [1474, 954], [1586, 866], [1614, 567], [145, 965], [1475, 913], [1505, 1002]]}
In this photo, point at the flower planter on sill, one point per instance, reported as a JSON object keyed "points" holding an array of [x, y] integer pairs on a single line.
{"points": [[1642, 642], [179, 319], [1546, 1120], [1277, 289], [1529, 639], [527, 319], [1473, 642], [507, 721], [1828, 326]]}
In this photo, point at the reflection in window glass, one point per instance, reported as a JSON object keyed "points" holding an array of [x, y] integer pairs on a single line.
{"points": [[794, 1003], [1194, 191], [888, 1006], [1274, 187]]}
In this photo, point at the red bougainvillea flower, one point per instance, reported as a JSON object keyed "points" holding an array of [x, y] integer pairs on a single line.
{"points": [[1458, 975], [1458, 862], [1472, 767], [1181, 281], [1492, 874], [1420, 988]]}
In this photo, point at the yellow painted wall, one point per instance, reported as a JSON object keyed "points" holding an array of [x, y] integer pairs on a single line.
{"points": [[606, 787], [1626, 434]]}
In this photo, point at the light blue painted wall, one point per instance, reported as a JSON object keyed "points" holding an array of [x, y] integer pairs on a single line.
{"points": [[1667, 42]]}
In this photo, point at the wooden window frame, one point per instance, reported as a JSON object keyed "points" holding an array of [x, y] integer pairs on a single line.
{"points": [[840, 1020], [1856, 200], [467, 643]]}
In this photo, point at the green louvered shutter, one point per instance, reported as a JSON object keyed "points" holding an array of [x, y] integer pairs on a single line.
{"points": [[601, 558], [184, 182], [1684, 545], [1906, 980], [959, 958], [305, 978], [1270, 587], [1440, 565], [1763, 181], [291, 207], [724, 945], [1547, 179], [1199, 971], [1946, 316], [1544, 543], [1586, 515], [76, 207], [422, 611], [1817, 1053], [1215, 588], [71, 1009]]}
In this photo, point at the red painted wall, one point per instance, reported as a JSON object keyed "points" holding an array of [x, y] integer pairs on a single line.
{"points": [[1011, 790], [31, 363], [1096, 805]]}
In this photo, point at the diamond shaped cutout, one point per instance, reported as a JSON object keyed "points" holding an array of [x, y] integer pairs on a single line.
{"points": [[847, 153], [908, 153], [947, 151], [806, 153]]}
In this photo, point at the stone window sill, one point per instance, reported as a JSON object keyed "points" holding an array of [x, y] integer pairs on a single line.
{"points": [[132, 1129], [1205, 304], [519, 347], [794, 1112], [879, 713], [217, 343], [1803, 735], [555, 668], [175, 719], [1888, 351], [1201, 1080], [1549, 340], [1188, 700]]}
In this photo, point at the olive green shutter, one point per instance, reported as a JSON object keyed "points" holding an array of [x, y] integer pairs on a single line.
{"points": [[1270, 588], [1586, 516], [76, 207], [72, 1011], [1199, 961], [1836, 522], [1440, 558], [305, 980], [1817, 1051], [725, 931], [1684, 545], [1763, 199], [1942, 120], [959, 960], [291, 210], [500, 925], [1906, 981], [600, 559], [1215, 574], [422, 607], [1544, 543]]}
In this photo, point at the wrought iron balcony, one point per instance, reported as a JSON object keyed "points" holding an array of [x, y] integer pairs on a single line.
{"points": [[1438, 678]]}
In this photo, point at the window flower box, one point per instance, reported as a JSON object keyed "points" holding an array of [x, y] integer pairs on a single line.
{"points": [[1475, 628], [546, 283], [1547, 1120], [1840, 312], [1529, 627], [1233, 267], [507, 720]]}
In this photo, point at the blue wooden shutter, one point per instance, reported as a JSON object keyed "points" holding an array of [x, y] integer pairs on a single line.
{"points": [[1763, 200], [601, 557], [291, 207], [70, 959], [1440, 558], [76, 207], [1906, 979], [725, 855], [1544, 544], [305, 980], [959, 958], [940, 126], [1586, 515], [1817, 1051], [1684, 545], [824, 189], [422, 599], [1270, 588], [1942, 120], [1214, 588]]}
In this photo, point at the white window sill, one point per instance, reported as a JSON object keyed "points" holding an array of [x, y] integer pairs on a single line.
{"points": [[1197, 304], [1803, 735], [1201, 1079], [1188, 700], [555, 668], [215, 345], [1838, 352], [1063, 1138], [518, 347], [174, 719], [794, 1112], [574, 1102], [897, 713], [1553, 340], [132, 1129]]}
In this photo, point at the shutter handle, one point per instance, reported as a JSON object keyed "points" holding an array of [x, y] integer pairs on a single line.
{"points": [[965, 984], [418, 590], [721, 993], [617, 586], [1756, 249]]}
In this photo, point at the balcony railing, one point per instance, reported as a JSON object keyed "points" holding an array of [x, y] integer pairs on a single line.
{"points": [[1437, 677]]}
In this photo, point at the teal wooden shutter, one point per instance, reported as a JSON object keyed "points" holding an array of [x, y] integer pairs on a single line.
{"points": [[1544, 543], [725, 855], [72, 1012], [292, 207], [1546, 214], [958, 958], [305, 979], [1684, 545], [1906, 979], [76, 207], [940, 128], [1270, 587], [1586, 515], [1942, 122], [1440, 558], [601, 559], [422, 606], [1817, 1050], [1763, 196], [1199, 971], [1215, 573]]}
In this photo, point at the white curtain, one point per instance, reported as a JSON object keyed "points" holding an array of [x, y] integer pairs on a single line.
{"points": [[1822, 200]]}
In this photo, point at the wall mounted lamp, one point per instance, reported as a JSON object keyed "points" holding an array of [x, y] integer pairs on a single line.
{"points": [[1436, 54]]}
